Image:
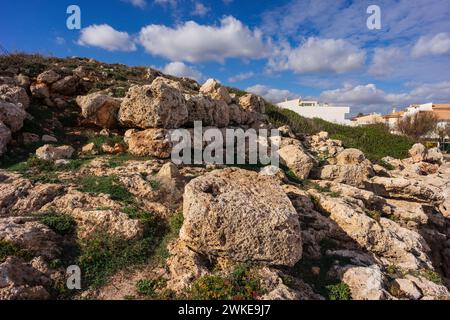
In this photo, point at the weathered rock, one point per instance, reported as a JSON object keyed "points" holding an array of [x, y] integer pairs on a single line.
{"points": [[215, 90], [12, 115], [40, 90], [67, 86], [418, 152], [49, 139], [51, 153], [49, 77], [211, 112], [406, 189], [5, 137], [20, 281], [29, 138], [30, 235], [16, 95], [159, 105], [404, 288], [99, 109], [350, 157], [150, 142], [385, 238], [241, 216], [89, 149], [429, 290], [434, 155], [365, 283], [296, 159]]}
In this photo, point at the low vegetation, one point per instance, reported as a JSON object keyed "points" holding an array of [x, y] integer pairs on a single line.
{"points": [[8, 249], [241, 284], [375, 140], [107, 185], [59, 223]]}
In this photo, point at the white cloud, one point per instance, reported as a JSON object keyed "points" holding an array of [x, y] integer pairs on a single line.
{"points": [[137, 3], [180, 69], [271, 94], [384, 60], [106, 37], [241, 76], [432, 45], [320, 55], [193, 42], [370, 98], [361, 94], [200, 9]]}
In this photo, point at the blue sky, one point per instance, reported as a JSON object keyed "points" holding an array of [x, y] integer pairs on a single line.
{"points": [[279, 49]]}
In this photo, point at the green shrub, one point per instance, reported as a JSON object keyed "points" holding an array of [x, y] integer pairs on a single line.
{"points": [[241, 284], [374, 140], [60, 223], [106, 185], [150, 288], [339, 291], [8, 249], [99, 140]]}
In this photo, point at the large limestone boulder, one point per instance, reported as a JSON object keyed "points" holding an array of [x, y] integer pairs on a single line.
{"points": [[49, 77], [51, 153], [296, 159], [16, 95], [150, 142], [21, 281], [418, 152], [99, 109], [351, 168], [434, 155], [391, 243], [12, 115], [67, 86], [204, 108], [30, 235], [365, 283], [241, 216], [215, 90], [159, 105]]}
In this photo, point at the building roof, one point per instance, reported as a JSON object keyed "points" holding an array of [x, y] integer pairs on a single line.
{"points": [[395, 115], [442, 111]]}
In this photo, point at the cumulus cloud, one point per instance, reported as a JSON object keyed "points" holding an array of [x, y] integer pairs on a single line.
{"points": [[200, 9], [271, 94], [370, 98], [320, 55], [384, 60], [137, 3], [180, 69], [106, 37], [241, 76], [361, 94], [193, 42], [432, 45]]}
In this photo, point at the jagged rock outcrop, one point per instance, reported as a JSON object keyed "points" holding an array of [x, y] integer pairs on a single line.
{"points": [[159, 105], [150, 142], [240, 216], [297, 159], [99, 109]]}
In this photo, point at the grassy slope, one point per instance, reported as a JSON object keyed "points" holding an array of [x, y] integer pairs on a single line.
{"points": [[375, 141]]}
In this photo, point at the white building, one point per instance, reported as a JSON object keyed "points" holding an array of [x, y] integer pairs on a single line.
{"points": [[314, 109]]}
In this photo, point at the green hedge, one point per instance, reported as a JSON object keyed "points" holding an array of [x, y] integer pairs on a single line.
{"points": [[374, 140]]}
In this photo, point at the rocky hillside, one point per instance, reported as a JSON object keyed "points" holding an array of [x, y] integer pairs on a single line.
{"points": [[86, 180]]}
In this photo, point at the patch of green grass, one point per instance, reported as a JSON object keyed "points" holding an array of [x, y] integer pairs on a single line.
{"points": [[241, 284], [155, 184], [99, 140], [107, 185], [375, 215], [120, 159], [8, 249], [161, 252], [60, 223], [375, 141], [339, 291], [430, 275], [151, 288]]}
